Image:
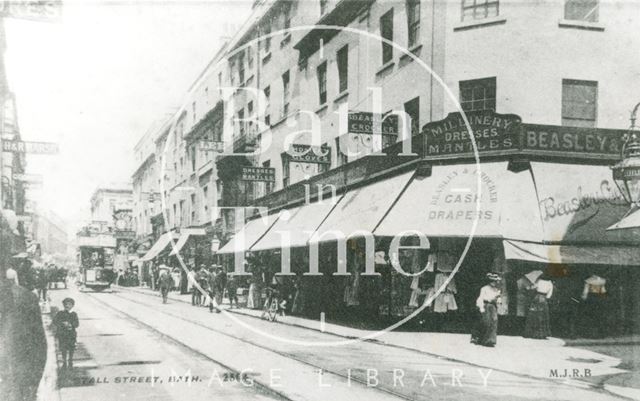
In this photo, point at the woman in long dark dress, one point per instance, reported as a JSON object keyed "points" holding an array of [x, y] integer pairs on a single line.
{"points": [[537, 321], [486, 330]]}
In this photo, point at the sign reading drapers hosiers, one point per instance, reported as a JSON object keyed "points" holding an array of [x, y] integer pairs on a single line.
{"points": [[360, 122], [309, 154], [492, 132], [267, 174]]}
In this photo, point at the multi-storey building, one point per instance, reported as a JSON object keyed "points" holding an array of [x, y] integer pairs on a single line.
{"points": [[545, 84]]}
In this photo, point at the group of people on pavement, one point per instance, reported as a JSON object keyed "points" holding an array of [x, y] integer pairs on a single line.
{"points": [[535, 289], [208, 285]]}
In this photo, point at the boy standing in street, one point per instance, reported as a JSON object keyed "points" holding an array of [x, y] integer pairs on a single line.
{"points": [[66, 323]]}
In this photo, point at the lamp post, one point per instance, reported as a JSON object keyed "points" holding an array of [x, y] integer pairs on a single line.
{"points": [[626, 173]]}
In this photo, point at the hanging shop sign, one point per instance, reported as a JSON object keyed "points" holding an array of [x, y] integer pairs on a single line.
{"points": [[492, 132], [309, 154], [36, 10], [360, 122], [24, 218], [267, 174], [43, 148], [211, 146], [31, 178]]}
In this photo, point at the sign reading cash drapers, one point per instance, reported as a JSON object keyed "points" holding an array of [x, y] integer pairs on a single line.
{"points": [[308, 154], [266, 174]]}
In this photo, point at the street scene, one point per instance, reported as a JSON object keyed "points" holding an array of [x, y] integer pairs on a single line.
{"points": [[319, 199]]}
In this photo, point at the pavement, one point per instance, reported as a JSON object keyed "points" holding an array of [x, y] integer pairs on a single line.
{"points": [[551, 360]]}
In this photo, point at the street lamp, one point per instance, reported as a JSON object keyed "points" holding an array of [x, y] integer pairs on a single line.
{"points": [[626, 173]]}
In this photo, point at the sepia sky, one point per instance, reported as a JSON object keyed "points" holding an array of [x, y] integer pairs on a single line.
{"points": [[97, 80]]}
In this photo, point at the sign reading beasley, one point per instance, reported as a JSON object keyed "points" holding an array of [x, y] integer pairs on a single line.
{"points": [[267, 174], [492, 132], [585, 141]]}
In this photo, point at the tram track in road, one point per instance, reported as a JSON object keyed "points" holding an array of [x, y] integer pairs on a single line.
{"points": [[287, 355], [262, 387], [577, 385]]}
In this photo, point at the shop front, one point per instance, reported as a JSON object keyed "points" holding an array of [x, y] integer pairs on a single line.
{"points": [[537, 205]]}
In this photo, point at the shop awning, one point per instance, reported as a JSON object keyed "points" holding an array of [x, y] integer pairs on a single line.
{"points": [[445, 204], [361, 209], [159, 246], [572, 254], [248, 235], [297, 225], [579, 202], [185, 233], [629, 222]]}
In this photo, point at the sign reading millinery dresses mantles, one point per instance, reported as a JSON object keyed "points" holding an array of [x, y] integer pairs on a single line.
{"points": [[492, 132], [265, 174], [309, 154], [43, 148]]}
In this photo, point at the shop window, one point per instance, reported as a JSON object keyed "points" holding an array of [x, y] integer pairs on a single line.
{"points": [[579, 103], [386, 31], [193, 158], [267, 38], [478, 94], [581, 10], [241, 67], [285, 170], [287, 15], [249, 58], [241, 122], [194, 111], [479, 9], [341, 158], [322, 82], [324, 5], [412, 108], [285, 93], [413, 22], [267, 107], [250, 116], [343, 68]]}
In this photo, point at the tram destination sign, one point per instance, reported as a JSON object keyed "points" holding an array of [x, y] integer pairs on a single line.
{"points": [[265, 174]]}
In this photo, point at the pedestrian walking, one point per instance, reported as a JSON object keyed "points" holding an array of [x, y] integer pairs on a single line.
{"points": [[66, 323], [212, 286], [232, 290], [192, 280], [486, 330], [12, 275], [23, 345], [165, 284], [219, 282], [537, 321], [42, 283], [203, 281]]}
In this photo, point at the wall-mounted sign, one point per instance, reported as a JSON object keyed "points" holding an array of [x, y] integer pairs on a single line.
{"points": [[24, 218], [309, 154], [43, 148], [360, 122], [211, 146], [37, 10], [34, 178], [492, 132], [592, 141], [267, 174]]}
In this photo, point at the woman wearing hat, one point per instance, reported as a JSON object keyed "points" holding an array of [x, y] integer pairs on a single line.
{"points": [[486, 330], [537, 321]]}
